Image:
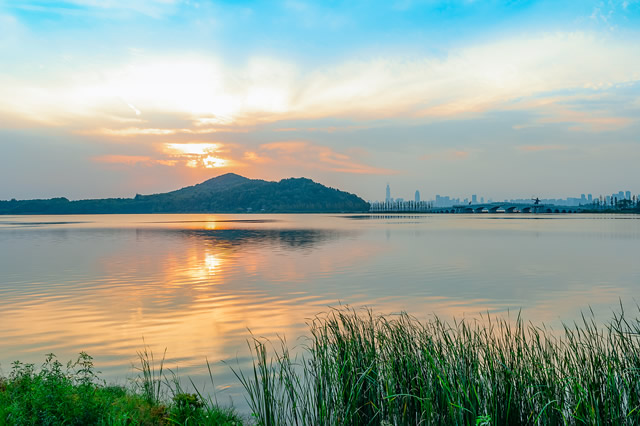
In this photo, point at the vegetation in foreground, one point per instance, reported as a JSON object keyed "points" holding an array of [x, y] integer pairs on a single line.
{"points": [[366, 369], [362, 369], [55, 395]]}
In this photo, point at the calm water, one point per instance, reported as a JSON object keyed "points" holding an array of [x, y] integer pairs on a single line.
{"points": [[195, 284]]}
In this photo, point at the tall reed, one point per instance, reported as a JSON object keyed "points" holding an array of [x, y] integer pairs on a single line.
{"points": [[366, 369]]}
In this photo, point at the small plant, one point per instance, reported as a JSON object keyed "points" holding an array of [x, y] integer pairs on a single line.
{"points": [[151, 381], [483, 421], [187, 408]]}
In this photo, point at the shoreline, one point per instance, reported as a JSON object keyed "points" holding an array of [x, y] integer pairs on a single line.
{"points": [[366, 368]]}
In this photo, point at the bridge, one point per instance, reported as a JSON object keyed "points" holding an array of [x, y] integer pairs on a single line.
{"points": [[506, 207], [493, 207]]}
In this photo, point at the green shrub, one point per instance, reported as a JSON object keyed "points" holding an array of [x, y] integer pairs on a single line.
{"points": [[74, 395]]}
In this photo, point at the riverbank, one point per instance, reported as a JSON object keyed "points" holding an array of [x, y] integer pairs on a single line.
{"points": [[361, 368]]}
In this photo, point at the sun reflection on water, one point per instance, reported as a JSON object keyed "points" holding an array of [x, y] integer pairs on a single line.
{"points": [[196, 285]]}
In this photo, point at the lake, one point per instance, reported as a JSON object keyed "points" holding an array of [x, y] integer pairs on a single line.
{"points": [[199, 286]]}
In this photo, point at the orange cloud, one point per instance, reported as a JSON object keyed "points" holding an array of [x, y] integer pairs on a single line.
{"points": [[255, 158], [584, 121], [302, 155], [206, 155], [198, 154], [310, 156], [288, 147]]}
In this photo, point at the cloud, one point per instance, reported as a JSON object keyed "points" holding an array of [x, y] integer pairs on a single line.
{"points": [[583, 121], [199, 154], [151, 131], [573, 111], [255, 158], [214, 95], [204, 155], [152, 8], [309, 156], [193, 148], [134, 109], [283, 155], [134, 131], [472, 79], [286, 147]]}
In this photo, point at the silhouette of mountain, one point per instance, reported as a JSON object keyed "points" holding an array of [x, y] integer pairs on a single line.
{"points": [[228, 193]]}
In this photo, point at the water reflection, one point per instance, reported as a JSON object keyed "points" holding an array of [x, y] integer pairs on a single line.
{"points": [[290, 238], [195, 292], [196, 284]]}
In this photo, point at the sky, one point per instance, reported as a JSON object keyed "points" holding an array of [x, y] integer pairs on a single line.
{"points": [[504, 99]]}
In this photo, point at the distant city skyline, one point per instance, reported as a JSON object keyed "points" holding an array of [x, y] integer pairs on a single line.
{"points": [[447, 200], [500, 99]]}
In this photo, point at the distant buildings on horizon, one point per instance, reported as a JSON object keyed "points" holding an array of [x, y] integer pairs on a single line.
{"points": [[447, 201]]}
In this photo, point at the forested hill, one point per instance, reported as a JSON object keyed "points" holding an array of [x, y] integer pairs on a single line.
{"points": [[229, 193]]}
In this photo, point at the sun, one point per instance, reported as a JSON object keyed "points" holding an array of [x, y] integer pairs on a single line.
{"points": [[198, 154], [194, 148], [211, 162]]}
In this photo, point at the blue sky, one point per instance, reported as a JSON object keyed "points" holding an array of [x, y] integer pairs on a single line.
{"points": [[502, 99]]}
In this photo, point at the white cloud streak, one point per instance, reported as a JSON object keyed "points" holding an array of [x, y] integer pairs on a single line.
{"points": [[152, 8], [470, 80]]}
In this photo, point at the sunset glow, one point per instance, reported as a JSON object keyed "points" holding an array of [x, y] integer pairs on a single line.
{"points": [[192, 148], [211, 162], [248, 189], [330, 92], [196, 154]]}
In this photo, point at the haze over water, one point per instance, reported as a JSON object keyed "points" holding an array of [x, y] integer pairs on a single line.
{"points": [[196, 284]]}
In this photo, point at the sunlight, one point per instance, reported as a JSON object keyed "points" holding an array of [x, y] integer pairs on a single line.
{"points": [[191, 84], [192, 148], [197, 154], [212, 263], [213, 162]]}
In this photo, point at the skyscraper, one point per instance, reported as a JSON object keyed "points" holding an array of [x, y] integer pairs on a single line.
{"points": [[417, 196], [388, 197], [474, 198]]}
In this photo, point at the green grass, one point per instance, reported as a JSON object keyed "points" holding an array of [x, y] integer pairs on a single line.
{"points": [[74, 395], [362, 369], [359, 368]]}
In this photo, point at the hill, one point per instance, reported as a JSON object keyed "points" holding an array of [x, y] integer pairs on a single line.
{"points": [[228, 193]]}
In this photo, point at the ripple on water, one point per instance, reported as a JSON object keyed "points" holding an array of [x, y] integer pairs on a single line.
{"points": [[111, 285]]}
